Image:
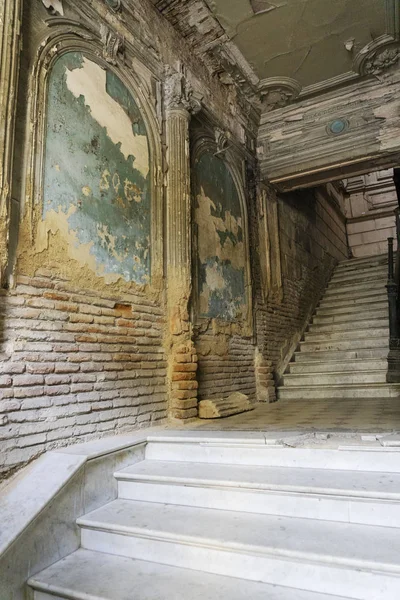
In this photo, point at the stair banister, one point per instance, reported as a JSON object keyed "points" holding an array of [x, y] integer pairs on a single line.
{"points": [[393, 374]]}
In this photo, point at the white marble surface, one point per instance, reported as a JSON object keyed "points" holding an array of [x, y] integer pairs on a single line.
{"points": [[351, 458], [108, 577], [322, 541], [27, 494]]}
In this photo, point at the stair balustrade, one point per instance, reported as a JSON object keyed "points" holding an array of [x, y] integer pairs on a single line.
{"points": [[393, 373]]}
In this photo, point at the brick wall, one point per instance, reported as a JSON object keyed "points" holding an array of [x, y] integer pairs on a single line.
{"points": [[312, 240], [75, 365], [226, 365]]}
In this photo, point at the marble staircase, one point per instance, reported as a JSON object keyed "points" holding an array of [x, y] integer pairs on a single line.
{"points": [[240, 516], [344, 350]]}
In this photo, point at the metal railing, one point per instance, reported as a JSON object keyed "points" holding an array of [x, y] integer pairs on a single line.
{"points": [[393, 287]]}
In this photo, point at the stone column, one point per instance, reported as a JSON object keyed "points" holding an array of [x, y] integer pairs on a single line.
{"points": [[182, 359], [10, 22]]}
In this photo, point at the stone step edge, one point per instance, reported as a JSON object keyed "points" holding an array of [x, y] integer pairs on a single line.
{"points": [[241, 548], [338, 386], [328, 331], [51, 590], [375, 371], [305, 491], [337, 360]]}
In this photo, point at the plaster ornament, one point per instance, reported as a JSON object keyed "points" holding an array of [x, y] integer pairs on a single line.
{"points": [[54, 7], [379, 61], [277, 92], [221, 138], [112, 45], [179, 93]]}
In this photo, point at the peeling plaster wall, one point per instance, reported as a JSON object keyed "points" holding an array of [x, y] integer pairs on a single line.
{"points": [[82, 327], [96, 188], [223, 341], [221, 254]]}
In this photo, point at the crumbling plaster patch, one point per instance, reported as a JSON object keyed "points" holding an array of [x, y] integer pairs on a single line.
{"points": [[96, 185]]}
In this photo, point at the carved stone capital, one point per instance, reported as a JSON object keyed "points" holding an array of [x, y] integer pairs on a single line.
{"points": [[179, 93], [277, 92]]}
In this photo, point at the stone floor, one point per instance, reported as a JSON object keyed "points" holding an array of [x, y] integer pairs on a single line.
{"points": [[367, 415]]}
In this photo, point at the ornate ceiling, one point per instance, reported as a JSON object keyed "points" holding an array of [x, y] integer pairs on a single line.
{"points": [[288, 49]]}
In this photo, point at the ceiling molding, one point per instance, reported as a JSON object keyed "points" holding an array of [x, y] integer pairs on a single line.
{"points": [[276, 92], [206, 37]]}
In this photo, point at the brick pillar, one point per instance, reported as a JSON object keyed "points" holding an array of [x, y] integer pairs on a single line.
{"points": [[182, 358], [10, 21]]}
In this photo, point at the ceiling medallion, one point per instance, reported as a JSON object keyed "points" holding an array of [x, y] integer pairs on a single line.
{"points": [[337, 127], [277, 92]]}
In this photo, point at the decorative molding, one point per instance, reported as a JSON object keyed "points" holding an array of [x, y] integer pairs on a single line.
{"points": [[179, 93], [277, 92], [381, 60], [222, 140], [113, 45]]}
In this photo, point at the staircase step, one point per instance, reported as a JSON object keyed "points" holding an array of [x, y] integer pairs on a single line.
{"points": [[324, 355], [353, 325], [354, 304], [356, 289], [345, 496], [355, 365], [87, 575], [371, 459], [360, 269], [373, 274], [357, 263], [354, 317], [351, 344], [347, 334], [331, 391], [359, 561], [334, 378]]}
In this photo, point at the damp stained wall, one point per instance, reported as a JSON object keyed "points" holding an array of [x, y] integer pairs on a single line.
{"points": [[96, 185], [221, 252]]}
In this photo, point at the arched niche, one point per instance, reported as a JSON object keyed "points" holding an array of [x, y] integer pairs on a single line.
{"points": [[221, 261], [95, 162]]}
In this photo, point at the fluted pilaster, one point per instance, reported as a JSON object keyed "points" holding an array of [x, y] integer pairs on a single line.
{"points": [[10, 20]]}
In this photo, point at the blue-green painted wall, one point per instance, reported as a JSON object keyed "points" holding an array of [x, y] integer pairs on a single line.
{"points": [[220, 241], [90, 177]]}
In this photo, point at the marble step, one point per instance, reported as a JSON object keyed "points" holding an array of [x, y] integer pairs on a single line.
{"points": [[345, 496], [363, 261], [350, 344], [369, 302], [350, 325], [87, 575], [330, 391], [358, 276], [363, 268], [355, 289], [358, 561], [334, 378], [371, 459], [354, 315], [322, 367], [347, 334], [324, 355]]}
